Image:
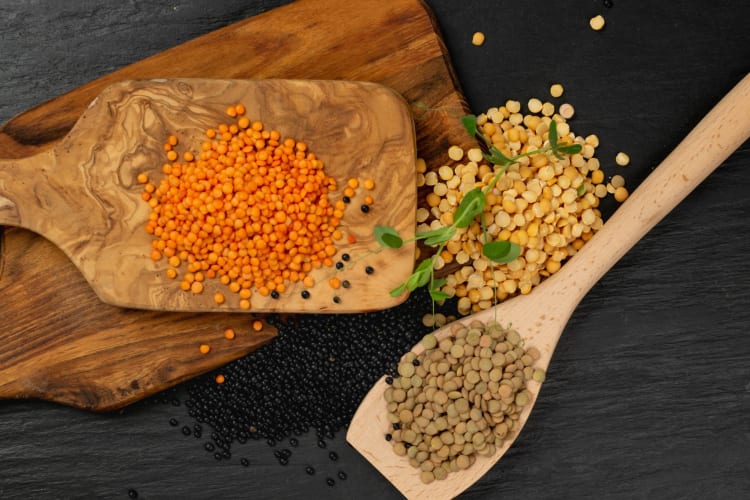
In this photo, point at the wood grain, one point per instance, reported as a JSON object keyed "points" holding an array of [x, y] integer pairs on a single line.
{"points": [[84, 197], [395, 44], [99, 357], [541, 316]]}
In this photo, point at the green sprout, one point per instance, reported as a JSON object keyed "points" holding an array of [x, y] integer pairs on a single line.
{"points": [[471, 206]]}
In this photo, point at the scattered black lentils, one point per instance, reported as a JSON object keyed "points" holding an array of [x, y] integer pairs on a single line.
{"points": [[311, 378]]}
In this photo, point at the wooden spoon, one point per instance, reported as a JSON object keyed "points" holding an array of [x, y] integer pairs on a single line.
{"points": [[84, 197], [540, 317]]}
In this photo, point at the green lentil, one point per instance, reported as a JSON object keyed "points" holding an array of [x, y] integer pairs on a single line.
{"points": [[463, 398]]}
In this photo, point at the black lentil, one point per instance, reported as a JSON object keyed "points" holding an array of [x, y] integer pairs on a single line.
{"points": [[186, 430], [342, 475], [321, 443], [337, 299], [388, 437], [132, 493], [345, 257], [389, 380], [607, 3], [339, 265], [333, 456], [174, 422], [275, 294], [396, 426], [369, 269], [346, 284], [310, 470], [330, 481], [209, 447], [365, 208], [245, 462], [346, 199], [305, 294], [294, 384]]}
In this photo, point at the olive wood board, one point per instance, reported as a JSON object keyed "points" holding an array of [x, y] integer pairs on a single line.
{"points": [[396, 44], [84, 196]]}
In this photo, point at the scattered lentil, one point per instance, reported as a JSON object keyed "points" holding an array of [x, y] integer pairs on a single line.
{"points": [[556, 90], [597, 22], [622, 159], [477, 38]]}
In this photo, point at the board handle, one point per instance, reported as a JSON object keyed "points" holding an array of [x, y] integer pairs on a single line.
{"points": [[23, 188]]}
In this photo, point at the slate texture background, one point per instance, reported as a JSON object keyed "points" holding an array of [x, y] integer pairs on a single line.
{"points": [[648, 395]]}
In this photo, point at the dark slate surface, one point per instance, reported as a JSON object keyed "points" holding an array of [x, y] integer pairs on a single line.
{"points": [[649, 393]]}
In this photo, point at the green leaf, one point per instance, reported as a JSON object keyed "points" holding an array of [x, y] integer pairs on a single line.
{"points": [[496, 157], [435, 237], [581, 189], [421, 275], [471, 205], [470, 124], [501, 251], [388, 237], [570, 149], [398, 290], [438, 295], [553, 135]]}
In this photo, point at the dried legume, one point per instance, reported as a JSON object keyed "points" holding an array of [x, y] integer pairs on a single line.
{"points": [[471, 392]]}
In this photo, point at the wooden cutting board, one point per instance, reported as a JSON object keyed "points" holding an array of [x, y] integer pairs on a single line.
{"points": [[60, 343]]}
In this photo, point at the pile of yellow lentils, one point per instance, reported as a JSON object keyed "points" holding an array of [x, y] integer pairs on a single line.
{"points": [[545, 204]]}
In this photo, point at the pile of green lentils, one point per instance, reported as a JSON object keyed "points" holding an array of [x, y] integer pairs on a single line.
{"points": [[461, 397]]}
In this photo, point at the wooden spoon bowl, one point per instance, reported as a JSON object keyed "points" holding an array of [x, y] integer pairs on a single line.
{"points": [[541, 316], [84, 197]]}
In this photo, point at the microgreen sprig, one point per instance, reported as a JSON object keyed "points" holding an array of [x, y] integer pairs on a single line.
{"points": [[471, 206]]}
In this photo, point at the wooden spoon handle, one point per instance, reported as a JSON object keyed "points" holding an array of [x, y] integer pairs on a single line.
{"points": [[711, 142]]}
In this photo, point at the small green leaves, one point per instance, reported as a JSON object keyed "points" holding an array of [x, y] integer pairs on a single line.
{"points": [[435, 293], [437, 236], [420, 277], [471, 205], [470, 124], [501, 251], [388, 237], [557, 149]]}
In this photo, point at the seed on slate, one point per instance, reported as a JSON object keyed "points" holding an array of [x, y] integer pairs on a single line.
{"points": [[283, 460], [330, 481], [245, 462], [132, 493], [173, 422], [342, 475], [310, 470], [271, 442], [186, 430], [209, 447], [333, 456], [293, 442], [369, 269], [305, 294], [217, 456], [321, 443], [226, 454]]}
